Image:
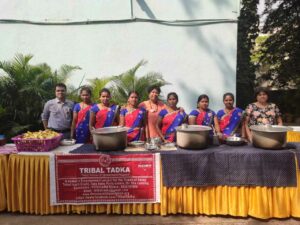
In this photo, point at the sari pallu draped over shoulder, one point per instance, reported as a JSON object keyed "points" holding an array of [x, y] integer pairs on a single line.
{"points": [[229, 122], [205, 118], [105, 117], [82, 132], [134, 121], [170, 120]]}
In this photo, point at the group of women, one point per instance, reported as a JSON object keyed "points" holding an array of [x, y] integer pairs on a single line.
{"points": [[153, 118]]}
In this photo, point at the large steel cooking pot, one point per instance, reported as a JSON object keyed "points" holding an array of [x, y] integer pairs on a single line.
{"points": [[268, 136], [192, 136], [110, 138]]}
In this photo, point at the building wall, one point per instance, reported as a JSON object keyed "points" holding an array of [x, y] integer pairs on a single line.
{"points": [[196, 59]]}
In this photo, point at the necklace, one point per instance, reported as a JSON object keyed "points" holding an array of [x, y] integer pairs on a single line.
{"points": [[102, 106], [84, 105], [171, 110], [130, 109], [153, 109], [227, 111]]}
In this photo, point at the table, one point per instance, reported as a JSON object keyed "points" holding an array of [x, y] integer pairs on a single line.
{"points": [[26, 182], [293, 136]]}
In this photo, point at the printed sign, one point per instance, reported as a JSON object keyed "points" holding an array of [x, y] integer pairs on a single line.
{"points": [[105, 179]]}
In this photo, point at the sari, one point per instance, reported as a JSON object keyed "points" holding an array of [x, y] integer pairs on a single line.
{"points": [[104, 117], [205, 118], [169, 123], [134, 121], [152, 116], [82, 131], [229, 122]]}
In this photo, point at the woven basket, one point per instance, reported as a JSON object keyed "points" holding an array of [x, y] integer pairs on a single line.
{"points": [[36, 145]]}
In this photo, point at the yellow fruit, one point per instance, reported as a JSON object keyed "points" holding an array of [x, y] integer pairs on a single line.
{"points": [[45, 134]]}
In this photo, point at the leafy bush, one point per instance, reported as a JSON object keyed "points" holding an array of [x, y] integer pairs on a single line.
{"points": [[24, 89]]}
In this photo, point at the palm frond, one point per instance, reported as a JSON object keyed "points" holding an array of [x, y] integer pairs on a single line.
{"points": [[97, 84], [21, 59], [65, 71], [122, 84]]}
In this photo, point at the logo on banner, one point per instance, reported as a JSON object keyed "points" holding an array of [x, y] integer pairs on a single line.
{"points": [[104, 160]]}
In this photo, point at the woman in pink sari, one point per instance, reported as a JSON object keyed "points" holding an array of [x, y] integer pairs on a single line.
{"points": [[81, 116], [153, 106], [104, 114], [170, 118], [133, 118]]}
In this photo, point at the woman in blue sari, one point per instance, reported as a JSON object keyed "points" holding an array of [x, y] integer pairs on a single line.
{"points": [[133, 118], [169, 118], [81, 116], [203, 115], [230, 118], [104, 114]]}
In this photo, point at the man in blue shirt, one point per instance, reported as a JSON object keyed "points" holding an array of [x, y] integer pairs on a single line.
{"points": [[57, 113]]}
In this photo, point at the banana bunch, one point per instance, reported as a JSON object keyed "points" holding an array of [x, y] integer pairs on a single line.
{"points": [[45, 134]]}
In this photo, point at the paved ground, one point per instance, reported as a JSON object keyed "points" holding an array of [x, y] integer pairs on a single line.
{"points": [[21, 219]]}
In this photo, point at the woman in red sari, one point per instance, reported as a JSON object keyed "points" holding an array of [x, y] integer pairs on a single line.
{"points": [[133, 118], [104, 114], [81, 116], [170, 118], [230, 118], [204, 116]]}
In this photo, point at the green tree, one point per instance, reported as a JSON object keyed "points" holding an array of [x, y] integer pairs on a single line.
{"points": [[281, 51], [282, 48], [261, 67], [248, 23], [24, 88]]}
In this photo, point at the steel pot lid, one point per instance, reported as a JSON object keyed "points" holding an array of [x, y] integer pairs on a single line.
{"points": [[109, 130], [193, 128], [270, 128]]}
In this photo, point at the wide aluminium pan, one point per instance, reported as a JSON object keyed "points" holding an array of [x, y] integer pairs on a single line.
{"points": [[194, 137], [269, 136], [110, 138]]}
